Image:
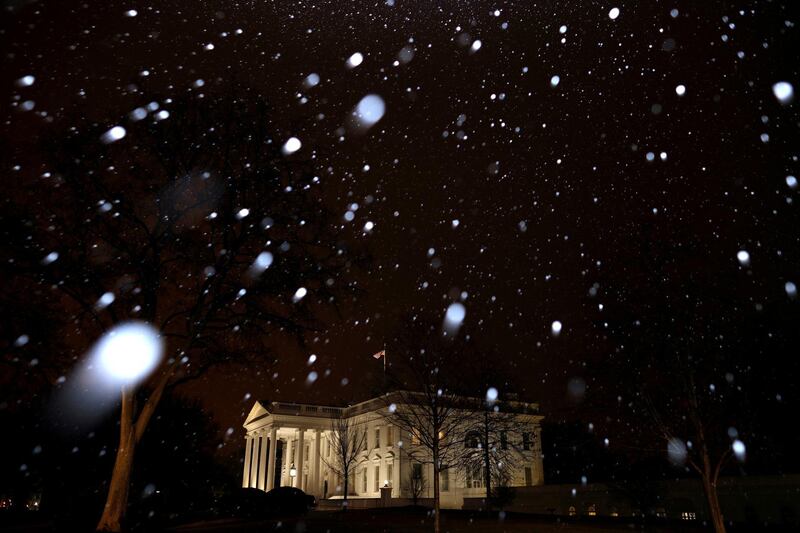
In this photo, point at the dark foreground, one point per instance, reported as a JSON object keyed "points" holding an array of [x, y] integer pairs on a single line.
{"points": [[415, 520], [396, 520]]}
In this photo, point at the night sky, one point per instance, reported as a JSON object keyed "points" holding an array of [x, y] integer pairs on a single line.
{"points": [[537, 161]]}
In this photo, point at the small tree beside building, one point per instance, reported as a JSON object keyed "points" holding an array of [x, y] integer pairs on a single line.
{"points": [[347, 439]]}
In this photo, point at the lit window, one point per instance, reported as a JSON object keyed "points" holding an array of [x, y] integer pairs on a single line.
{"points": [[414, 437], [591, 510], [572, 511], [688, 515], [389, 436]]}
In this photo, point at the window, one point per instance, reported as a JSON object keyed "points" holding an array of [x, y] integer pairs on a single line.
{"points": [[389, 436], [365, 435], [572, 511], [414, 437], [528, 476], [377, 437], [475, 477], [688, 515], [389, 474], [526, 441], [364, 479], [377, 479], [471, 440], [416, 471], [503, 440], [591, 510], [444, 480]]}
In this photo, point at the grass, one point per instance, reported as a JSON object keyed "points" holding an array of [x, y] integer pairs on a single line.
{"points": [[411, 520]]}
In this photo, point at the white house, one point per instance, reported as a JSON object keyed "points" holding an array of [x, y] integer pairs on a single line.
{"points": [[290, 444]]}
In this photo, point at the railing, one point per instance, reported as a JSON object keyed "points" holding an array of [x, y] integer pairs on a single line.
{"points": [[299, 409]]}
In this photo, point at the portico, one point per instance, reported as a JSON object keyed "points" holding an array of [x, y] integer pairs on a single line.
{"points": [[283, 447]]}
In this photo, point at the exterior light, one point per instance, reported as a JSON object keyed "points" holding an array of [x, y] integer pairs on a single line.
{"points": [[292, 471], [129, 352]]}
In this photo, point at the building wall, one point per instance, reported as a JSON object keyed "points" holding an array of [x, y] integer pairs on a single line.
{"points": [[395, 453]]}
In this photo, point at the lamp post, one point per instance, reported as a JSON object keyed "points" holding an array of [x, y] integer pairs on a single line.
{"points": [[292, 472]]}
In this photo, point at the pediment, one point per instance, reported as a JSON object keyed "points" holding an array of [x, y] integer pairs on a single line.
{"points": [[258, 411]]}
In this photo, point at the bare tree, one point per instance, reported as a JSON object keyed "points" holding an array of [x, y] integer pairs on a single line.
{"points": [[432, 417], [347, 439], [196, 224], [682, 382], [496, 434], [495, 442], [694, 436]]}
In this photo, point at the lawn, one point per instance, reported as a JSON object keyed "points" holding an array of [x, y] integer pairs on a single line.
{"points": [[413, 521]]}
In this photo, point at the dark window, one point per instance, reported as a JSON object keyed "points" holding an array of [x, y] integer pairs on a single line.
{"points": [[471, 440], [444, 480], [503, 440]]}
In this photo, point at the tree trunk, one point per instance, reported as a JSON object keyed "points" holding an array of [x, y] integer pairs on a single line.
{"points": [[487, 464], [436, 506], [346, 488], [710, 488], [117, 499]]}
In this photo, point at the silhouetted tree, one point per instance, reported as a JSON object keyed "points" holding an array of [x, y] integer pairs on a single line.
{"points": [[416, 484], [196, 223], [496, 435], [426, 404]]}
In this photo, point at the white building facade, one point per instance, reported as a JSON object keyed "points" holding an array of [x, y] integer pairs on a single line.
{"points": [[290, 444]]}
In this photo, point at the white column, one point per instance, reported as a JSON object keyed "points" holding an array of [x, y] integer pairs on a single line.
{"points": [[314, 479], [254, 463], [289, 481], [248, 448], [395, 476], [326, 470], [262, 463], [273, 445], [300, 453]]}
